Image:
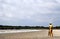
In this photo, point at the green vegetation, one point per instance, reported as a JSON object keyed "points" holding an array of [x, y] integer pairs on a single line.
{"points": [[26, 27]]}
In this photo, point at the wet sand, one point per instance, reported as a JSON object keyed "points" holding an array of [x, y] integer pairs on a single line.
{"points": [[31, 35]]}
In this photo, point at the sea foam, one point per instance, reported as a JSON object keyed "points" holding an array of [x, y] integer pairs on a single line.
{"points": [[16, 31]]}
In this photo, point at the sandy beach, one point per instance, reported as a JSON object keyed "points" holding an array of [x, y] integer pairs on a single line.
{"points": [[43, 34]]}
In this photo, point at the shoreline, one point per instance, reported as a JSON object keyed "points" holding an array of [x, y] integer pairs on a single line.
{"points": [[26, 30], [17, 31], [31, 35]]}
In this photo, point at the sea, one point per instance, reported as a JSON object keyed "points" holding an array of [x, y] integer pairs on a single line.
{"points": [[17, 31]]}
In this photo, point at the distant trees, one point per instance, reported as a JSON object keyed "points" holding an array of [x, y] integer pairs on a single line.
{"points": [[57, 27], [26, 27]]}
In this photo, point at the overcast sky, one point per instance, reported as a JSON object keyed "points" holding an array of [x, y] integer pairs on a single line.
{"points": [[29, 12]]}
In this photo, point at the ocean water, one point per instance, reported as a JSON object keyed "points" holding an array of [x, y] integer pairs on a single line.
{"points": [[16, 31]]}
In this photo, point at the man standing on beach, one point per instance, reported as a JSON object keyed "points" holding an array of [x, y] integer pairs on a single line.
{"points": [[50, 33]]}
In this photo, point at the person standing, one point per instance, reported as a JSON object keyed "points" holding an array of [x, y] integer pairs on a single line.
{"points": [[50, 33]]}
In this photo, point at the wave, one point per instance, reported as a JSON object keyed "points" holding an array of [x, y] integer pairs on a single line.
{"points": [[16, 31]]}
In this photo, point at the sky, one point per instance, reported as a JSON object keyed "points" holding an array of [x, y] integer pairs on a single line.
{"points": [[30, 12]]}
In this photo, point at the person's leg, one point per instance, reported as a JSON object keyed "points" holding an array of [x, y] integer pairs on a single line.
{"points": [[48, 33], [51, 33]]}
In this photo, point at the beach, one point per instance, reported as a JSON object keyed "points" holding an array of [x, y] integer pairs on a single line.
{"points": [[42, 34]]}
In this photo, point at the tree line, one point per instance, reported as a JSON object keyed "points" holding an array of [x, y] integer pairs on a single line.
{"points": [[26, 27]]}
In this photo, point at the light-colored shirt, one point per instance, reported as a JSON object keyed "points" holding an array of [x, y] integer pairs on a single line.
{"points": [[50, 26]]}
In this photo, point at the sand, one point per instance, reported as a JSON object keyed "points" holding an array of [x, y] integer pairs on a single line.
{"points": [[31, 35]]}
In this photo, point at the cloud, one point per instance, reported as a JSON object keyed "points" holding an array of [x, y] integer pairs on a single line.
{"points": [[32, 10]]}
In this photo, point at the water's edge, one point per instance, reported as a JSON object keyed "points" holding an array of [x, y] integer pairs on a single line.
{"points": [[16, 31]]}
